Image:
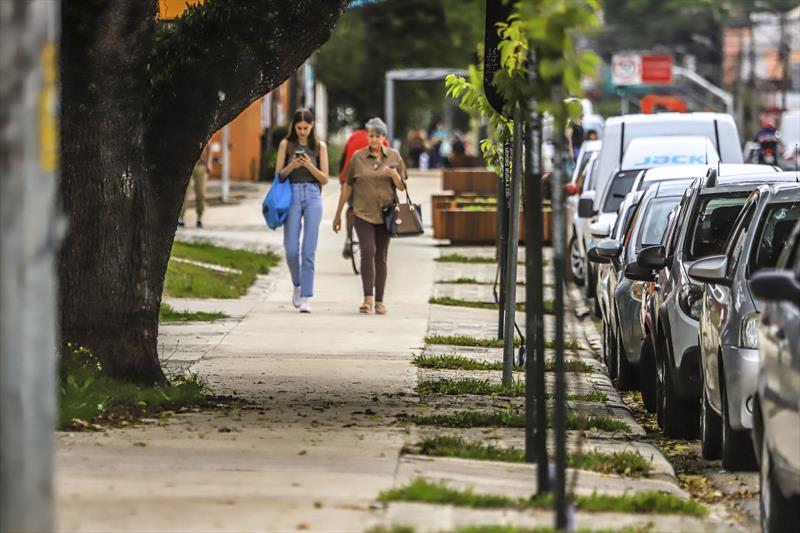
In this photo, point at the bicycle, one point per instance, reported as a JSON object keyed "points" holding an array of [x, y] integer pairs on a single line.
{"points": [[355, 249]]}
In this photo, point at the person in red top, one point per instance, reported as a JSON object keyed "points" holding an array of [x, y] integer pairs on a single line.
{"points": [[356, 141]]}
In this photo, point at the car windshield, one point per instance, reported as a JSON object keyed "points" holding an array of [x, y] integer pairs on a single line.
{"points": [[712, 224], [621, 185], [776, 225], [655, 221]]}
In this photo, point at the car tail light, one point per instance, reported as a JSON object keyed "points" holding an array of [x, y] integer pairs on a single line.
{"points": [[749, 331]]}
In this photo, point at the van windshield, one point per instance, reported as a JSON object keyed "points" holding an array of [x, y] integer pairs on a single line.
{"points": [[621, 185], [712, 223]]}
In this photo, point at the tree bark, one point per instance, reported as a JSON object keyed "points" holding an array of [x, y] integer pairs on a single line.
{"points": [[141, 99]]}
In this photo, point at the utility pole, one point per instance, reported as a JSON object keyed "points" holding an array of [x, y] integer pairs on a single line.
{"points": [[783, 56], [31, 230], [226, 162]]}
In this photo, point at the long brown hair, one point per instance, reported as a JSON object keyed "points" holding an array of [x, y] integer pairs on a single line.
{"points": [[303, 115]]}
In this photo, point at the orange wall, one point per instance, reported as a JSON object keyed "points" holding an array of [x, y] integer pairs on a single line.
{"points": [[245, 145]]}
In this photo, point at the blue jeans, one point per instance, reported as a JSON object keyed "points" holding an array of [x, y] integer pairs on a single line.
{"points": [[305, 214]]}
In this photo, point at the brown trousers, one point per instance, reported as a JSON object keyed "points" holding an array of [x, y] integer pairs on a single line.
{"points": [[199, 177], [373, 240]]}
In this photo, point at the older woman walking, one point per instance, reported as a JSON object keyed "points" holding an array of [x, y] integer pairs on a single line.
{"points": [[304, 161], [373, 175]]}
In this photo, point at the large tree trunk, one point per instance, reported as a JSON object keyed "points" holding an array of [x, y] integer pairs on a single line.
{"points": [[141, 98]]}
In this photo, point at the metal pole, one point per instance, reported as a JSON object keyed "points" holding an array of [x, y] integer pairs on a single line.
{"points": [[226, 162], [388, 108], [503, 193], [31, 232], [511, 256], [559, 265]]}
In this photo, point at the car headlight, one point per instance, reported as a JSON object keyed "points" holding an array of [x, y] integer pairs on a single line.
{"points": [[637, 287], [749, 332], [690, 300]]}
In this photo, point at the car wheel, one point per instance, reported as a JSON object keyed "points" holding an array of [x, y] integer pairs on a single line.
{"points": [[647, 376], [590, 284], [710, 428], [679, 417], [608, 353], [626, 379], [576, 262], [778, 513], [737, 447]]}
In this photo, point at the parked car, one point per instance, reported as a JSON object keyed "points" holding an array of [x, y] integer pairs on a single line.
{"points": [[645, 227], [577, 227], [728, 331], [698, 228], [776, 406]]}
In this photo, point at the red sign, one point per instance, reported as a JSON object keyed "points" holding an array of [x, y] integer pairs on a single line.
{"points": [[657, 70]]}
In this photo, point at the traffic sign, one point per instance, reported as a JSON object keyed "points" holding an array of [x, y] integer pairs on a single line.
{"points": [[657, 70], [637, 69]]}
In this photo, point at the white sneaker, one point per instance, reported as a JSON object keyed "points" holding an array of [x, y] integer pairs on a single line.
{"points": [[304, 307], [296, 297]]}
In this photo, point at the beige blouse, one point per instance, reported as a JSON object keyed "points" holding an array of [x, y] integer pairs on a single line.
{"points": [[371, 189]]}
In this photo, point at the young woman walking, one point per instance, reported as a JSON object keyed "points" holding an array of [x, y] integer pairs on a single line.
{"points": [[372, 175], [304, 161]]}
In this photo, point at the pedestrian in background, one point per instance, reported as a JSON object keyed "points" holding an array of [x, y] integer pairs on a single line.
{"points": [[198, 180], [303, 160], [374, 174]]}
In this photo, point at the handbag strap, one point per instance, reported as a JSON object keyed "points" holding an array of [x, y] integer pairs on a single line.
{"points": [[394, 192]]}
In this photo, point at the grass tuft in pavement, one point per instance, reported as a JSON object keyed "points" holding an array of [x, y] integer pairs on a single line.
{"points": [[185, 280], [458, 302], [485, 387], [460, 258], [514, 419], [167, 314], [90, 400], [625, 463], [466, 340], [460, 362], [424, 491]]}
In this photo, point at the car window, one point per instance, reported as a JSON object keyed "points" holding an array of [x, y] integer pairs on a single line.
{"points": [[777, 224], [585, 166], [738, 237], [592, 176], [712, 223], [670, 239], [621, 185], [654, 222]]}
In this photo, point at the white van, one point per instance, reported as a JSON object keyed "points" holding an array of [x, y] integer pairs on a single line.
{"points": [[619, 131]]}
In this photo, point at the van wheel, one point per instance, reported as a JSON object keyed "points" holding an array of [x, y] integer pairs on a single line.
{"points": [[737, 447], [626, 379], [679, 417], [710, 428], [647, 376], [778, 513], [576, 263]]}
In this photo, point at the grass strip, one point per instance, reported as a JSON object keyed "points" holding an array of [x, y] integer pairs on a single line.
{"points": [[460, 362], [625, 463], [514, 419], [186, 280], [469, 281], [89, 400], [459, 258], [423, 491], [503, 529], [456, 386], [466, 340], [167, 314], [475, 304]]}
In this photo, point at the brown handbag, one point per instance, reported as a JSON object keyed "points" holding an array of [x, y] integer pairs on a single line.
{"points": [[403, 219]]}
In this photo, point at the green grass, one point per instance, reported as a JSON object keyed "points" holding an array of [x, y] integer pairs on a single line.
{"points": [[185, 280], [88, 397], [459, 258], [460, 362], [514, 419], [466, 340], [626, 463], [167, 314], [458, 302], [503, 529], [469, 281], [485, 387], [424, 491]]}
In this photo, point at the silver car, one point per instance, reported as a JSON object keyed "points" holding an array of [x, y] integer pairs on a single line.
{"points": [[728, 326], [776, 407]]}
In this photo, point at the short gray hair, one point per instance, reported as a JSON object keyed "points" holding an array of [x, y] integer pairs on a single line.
{"points": [[376, 125]]}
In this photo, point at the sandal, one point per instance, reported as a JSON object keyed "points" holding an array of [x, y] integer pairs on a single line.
{"points": [[380, 309], [365, 307]]}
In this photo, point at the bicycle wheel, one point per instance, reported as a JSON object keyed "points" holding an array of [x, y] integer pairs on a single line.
{"points": [[355, 257]]}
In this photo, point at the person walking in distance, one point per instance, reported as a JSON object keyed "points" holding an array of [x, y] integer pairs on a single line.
{"points": [[303, 160], [356, 141], [373, 175], [198, 179]]}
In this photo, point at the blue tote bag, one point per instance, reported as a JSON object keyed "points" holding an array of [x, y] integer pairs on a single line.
{"points": [[275, 207]]}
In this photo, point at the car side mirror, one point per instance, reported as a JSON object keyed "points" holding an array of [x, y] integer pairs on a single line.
{"points": [[600, 229], [609, 248], [652, 257], [710, 269], [775, 285], [586, 205], [595, 257], [639, 273]]}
